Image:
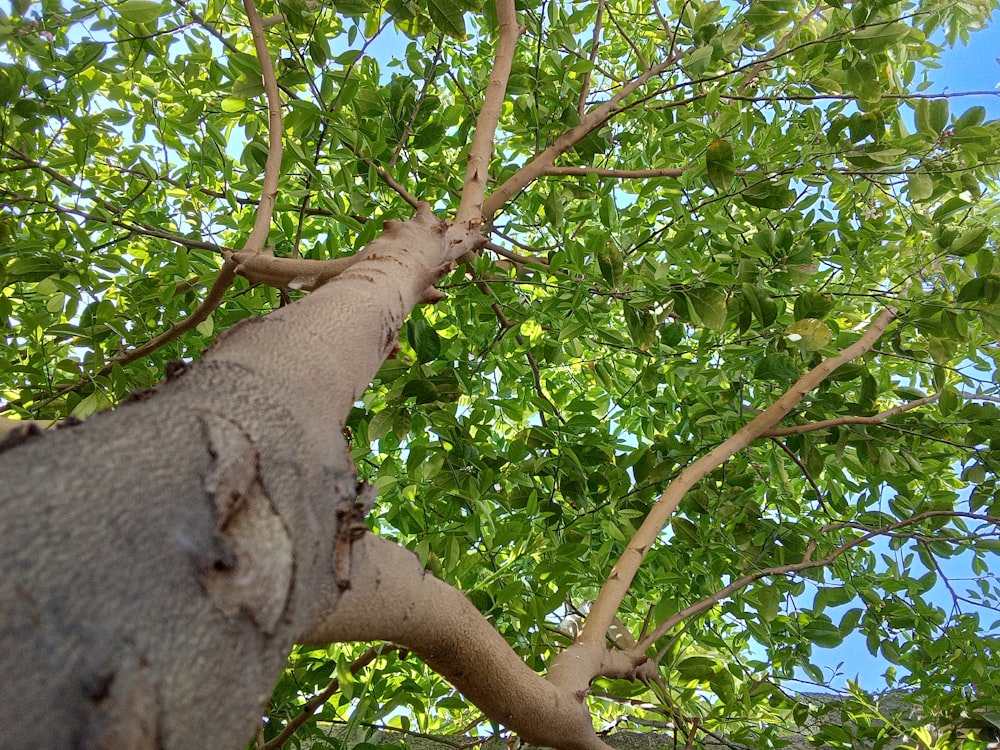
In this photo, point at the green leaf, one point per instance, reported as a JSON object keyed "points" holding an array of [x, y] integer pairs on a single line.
{"points": [[232, 104], [141, 11], [448, 17], [720, 164], [969, 241], [353, 8], [931, 116], [612, 265], [919, 185], [778, 367], [424, 339], [710, 307], [880, 36], [812, 305], [823, 633], [809, 334], [697, 668], [82, 56], [769, 194], [761, 305]]}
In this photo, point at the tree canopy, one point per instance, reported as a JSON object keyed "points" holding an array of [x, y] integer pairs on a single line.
{"points": [[689, 207]]}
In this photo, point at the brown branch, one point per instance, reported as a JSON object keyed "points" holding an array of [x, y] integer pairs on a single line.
{"points": [[805, 472], [590, 122], [515, 257], [470, 210], [576, 666], [807, 563], [595, 44], [874, 419], [387, 178], [272, 165], [299, 274], [778, 48], [311, 705], [619, 174]]}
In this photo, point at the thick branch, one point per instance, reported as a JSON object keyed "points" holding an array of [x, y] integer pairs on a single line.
{"points": [[593, 120], [299, 274], [392, 598], [272, 166], [470, 210], [577, 664]]}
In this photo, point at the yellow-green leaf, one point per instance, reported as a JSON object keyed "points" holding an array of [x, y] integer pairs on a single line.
{"points": [[809, 333]]}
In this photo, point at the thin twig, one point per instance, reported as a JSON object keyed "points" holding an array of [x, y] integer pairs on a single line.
{"points": [[807, 563], [515, 257], [805, 472], [387, 178], [595, 45], [619, 174], [874, 419], [313, 704]]}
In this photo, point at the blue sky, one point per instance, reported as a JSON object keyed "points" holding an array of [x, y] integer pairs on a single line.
{"points": [[973, 68]]}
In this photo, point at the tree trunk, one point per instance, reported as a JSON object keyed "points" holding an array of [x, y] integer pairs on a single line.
{"points": [[159, 561]]}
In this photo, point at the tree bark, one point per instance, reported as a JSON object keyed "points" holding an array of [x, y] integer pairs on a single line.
{"points": [[159, 561]]}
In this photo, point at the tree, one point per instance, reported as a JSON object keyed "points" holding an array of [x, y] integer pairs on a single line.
{"points": [[650, 235]]}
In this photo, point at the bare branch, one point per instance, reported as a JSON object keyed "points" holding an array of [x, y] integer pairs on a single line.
{"points": [[470, 210], [579, 662], [593, 120], [299, 274], [875, 419], [619, 174], [272, 166], [807, 563], [311, 706], [515, 257], [595, 44]]}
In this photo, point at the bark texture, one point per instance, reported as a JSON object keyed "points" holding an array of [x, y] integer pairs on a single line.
{"points": [[158, 562]]}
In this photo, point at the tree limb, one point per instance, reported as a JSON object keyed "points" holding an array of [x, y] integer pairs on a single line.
{"points": [[577, 665], [272, 166], [470, 210], [392, 598], [807, 563], [593, 120], [874, 419]]}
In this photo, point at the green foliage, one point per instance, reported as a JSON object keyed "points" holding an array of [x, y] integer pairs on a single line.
{"points": [[517, 453]]}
